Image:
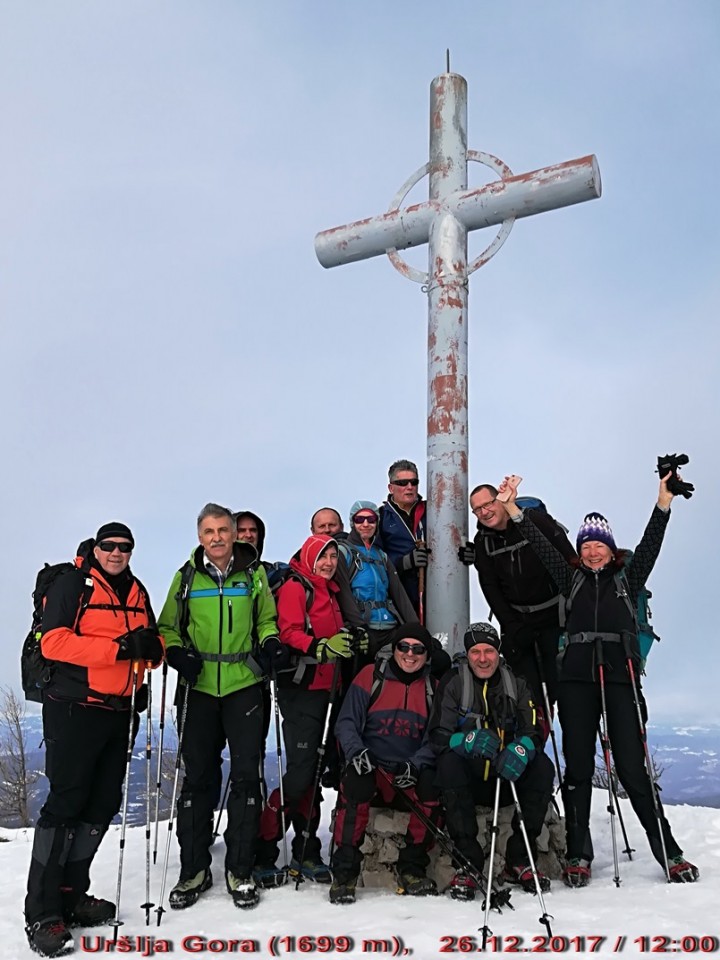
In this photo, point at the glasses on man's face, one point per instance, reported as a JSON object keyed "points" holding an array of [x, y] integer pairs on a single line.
{"points": [[406, 483], [417, 649], [107, 546], [365, 519], [484, 506]]}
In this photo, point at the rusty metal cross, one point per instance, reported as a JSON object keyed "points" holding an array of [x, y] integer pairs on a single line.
{"points": [[443, 222]]}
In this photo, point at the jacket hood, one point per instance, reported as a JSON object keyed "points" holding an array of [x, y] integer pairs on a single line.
{"points": [[260, 528], [311, 550]]}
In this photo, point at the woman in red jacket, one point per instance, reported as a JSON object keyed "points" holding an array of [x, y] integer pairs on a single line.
{"points": [[311, 626]]}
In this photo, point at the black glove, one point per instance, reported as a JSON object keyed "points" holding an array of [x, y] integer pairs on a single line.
{"points": [[671, 463], [187, 661], [418, 557], [273, 656], [142, 643], [466, 554], [362, 762], [406, 777]]}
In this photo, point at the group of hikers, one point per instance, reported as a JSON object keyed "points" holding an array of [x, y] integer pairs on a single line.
{"points": [[371, 704]]}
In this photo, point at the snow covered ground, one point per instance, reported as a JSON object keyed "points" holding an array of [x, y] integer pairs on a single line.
{"points": [[610, 919]]}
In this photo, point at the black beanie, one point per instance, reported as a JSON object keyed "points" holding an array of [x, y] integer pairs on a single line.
{"points": [[481, 633], [114, 529], [413, 631]]}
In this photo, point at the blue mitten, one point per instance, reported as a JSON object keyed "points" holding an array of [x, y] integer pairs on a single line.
{"points": [[512, 761]]}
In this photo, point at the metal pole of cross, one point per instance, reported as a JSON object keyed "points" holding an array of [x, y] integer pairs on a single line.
{"points": [[443, 222]]}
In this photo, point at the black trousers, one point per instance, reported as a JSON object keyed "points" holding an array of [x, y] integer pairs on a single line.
{"points": [[211, 721], [580, 709], [85, 762], [303, 712], [464, 787], [537, 662]]}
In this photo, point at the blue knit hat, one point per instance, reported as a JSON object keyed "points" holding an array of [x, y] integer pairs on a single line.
{"points": [[363, 505], [595, 528]]}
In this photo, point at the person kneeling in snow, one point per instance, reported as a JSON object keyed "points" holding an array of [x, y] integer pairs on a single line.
{"points": [[484, 726], [381, 730]]}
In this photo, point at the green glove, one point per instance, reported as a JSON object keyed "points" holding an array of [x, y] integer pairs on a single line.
{"points": [[340, 644]]}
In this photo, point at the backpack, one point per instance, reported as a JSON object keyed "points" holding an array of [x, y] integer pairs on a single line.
{"points": [[640, 613], [36, 671], [281, 575], [467, 695]]}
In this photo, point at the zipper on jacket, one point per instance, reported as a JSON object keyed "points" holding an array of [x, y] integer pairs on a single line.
{"points": [[229, 616], [220, 597]]}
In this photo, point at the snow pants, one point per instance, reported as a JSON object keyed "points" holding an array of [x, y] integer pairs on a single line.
{"points": [[464, 787], [580, 708], [211, 721], [357, 792], [85, 761]]}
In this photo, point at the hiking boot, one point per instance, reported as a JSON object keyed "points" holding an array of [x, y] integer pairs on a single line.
{"points": [[522, 876], [416, 884], [314, 870], [187, 892], [343, 892], [682, 871], [463, 886], [89, 911], [267, 875], [243, 891], [50, 938], [577, 873]]}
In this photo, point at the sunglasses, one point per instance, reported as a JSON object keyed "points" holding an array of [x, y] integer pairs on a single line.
{"points": [[365, 519], [417, 649], [406, 483], [107, 546]]}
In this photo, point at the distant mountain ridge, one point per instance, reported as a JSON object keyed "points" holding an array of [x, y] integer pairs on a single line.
{"points": [[689, 755]]}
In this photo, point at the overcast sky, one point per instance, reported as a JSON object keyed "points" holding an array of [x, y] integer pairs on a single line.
{"points": [[169, 337]]}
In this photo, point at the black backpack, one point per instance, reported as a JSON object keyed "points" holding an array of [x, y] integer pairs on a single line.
{"points": [[36, 672]]}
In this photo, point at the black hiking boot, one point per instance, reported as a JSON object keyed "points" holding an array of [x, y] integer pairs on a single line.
{"points": [[50, 938], [310, 869], [89, 911], [187, 892], [463, 886], [243, 891], [267, 875], [522, 876], [416, 884], [343, 892]]}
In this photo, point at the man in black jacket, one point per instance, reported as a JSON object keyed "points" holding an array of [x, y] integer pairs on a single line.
{"points": [[520, 593], [484, 726]]}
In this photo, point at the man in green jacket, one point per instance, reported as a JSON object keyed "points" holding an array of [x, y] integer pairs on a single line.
{"points": [[218, 620]]}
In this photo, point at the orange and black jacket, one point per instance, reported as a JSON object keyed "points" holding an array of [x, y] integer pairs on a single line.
{"points": [[80, 638]]}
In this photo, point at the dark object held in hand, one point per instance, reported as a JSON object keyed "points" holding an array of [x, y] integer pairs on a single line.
{"points": [[142, 643], [187, 661], [672, 462]]}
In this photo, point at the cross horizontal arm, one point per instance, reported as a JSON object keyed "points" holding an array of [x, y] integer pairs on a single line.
{"points": [[550, 188]]}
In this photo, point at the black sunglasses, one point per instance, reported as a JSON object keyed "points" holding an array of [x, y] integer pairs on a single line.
{"points": [[406, 483], [416, 648], [365, 519], [107, 546]]}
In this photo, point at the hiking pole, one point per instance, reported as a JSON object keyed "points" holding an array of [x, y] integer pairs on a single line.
{"points": [[498, 898], [421, 587], [158, 782], [605, 745], [648, 758], [148, 774], [318, 772], [181, 733], [548, 712], [278, 753], [223, 801], [117, 922], [545, 918], [628, 849], [486, 931]]}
